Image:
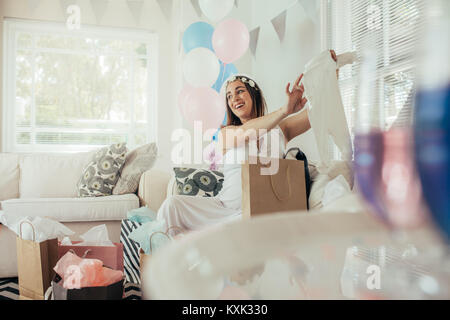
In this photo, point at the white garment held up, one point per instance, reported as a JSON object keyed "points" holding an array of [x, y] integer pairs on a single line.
{"points": [[326, 112]]}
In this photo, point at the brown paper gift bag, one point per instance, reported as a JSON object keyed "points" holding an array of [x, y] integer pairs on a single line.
{"points": [[282, 190], [35, 262]]}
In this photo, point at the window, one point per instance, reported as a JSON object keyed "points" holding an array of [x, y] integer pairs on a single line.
{"points": [[68, 91], [395, 25]]}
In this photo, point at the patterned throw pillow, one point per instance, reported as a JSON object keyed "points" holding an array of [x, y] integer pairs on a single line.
{"points": [[101, 174], [137, 162], [198, 182]]}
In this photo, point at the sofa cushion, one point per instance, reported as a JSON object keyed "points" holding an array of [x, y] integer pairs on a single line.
{"points": [[75, 209], [9, 176], [51, 175], [198, 182], [137, 162], [102, 173], [152, 188], [172, 187]]}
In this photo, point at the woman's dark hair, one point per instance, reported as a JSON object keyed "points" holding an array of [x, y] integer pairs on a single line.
{"points": [[259, 103]]}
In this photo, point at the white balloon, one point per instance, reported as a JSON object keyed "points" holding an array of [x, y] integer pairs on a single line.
{"points": [[201, 68], [216, 10]]}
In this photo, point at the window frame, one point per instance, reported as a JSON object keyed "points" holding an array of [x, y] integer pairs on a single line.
{"points": [[13, 27]]}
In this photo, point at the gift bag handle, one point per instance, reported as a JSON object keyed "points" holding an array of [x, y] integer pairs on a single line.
{"points": [[174, 228], [84, 255], [49, 294], [166, 234], [289, 185], [32, 227], [151, 237]]}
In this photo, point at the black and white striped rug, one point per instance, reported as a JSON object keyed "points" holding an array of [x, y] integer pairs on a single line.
{"points": [[9, 290]]}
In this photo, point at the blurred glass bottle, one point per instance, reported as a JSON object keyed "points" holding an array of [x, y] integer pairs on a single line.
{"points": [[384, 157], [368, 140], [432, 113]]}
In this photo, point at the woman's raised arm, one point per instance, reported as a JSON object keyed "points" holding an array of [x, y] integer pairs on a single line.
{"points": [[299, 123], [237, 136]]}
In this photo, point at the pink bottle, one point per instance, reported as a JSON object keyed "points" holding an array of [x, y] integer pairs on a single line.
{"points": [[400, 187]]}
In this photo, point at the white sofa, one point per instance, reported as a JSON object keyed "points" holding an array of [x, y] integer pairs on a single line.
{"points": [[45, 185]]}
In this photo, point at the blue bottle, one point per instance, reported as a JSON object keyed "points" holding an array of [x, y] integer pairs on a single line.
{"points": [[432, 115]]}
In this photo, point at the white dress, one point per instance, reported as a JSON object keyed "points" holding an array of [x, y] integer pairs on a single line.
{"points": [[194, 213]]}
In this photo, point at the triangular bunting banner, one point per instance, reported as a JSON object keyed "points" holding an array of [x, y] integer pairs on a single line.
{"points": [[65, 4], [166, 8], [33, 4], [254, 36], [310, 9], [197, 8], [279, 24], [99, 7], [135, 7]]}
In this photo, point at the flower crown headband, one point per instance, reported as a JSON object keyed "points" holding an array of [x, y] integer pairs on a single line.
{"points": [[250, 82]]}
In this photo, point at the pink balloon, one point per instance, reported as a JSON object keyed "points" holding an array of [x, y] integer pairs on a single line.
{"points": [[230, 40], [182, 98], [204, 104]]}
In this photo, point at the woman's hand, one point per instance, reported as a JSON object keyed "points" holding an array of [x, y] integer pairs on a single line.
{"points": [[296, 101], [334, 56]]}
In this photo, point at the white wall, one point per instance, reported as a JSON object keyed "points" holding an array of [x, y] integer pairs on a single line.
{"points": [[277, 63]]}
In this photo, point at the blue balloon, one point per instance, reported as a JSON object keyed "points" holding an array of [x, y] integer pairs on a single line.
{"points": [[198, 35], [224, 123], [226, 71], [215, 138]]}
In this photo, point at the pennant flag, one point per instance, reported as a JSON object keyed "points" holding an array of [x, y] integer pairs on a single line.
{"points": [[279, 24], [254, 36], [135, 7], [197, 7], [310, 9], [166, 8], [73, 13], [65, 4], [99, 8], [33, 4]]}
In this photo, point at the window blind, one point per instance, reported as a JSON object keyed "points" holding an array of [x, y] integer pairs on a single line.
{"points": [[395, 26]]}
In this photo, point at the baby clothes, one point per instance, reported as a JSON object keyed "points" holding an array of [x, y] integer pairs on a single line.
{"points": [[326, 113]]}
